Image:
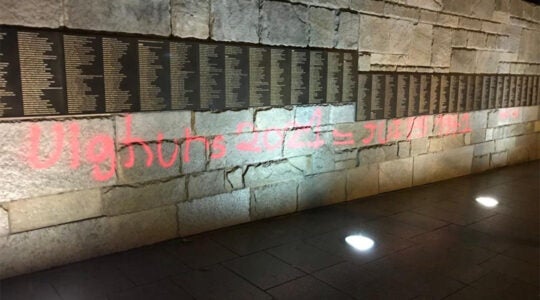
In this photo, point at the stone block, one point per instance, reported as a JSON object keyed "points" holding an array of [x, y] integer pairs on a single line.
{"points": [[505, 116], [518, 129], [32, 13], [195, 155], [4, 222], [487, 61], [366, 133], [29, 214], [404, 149], [459, 38], [469, 23], [213, 212], [51, 157], [395, 174], [401, 11], [400, 38], [342, 113], [273, 200], [303, 163], [457, 6], [409, 128], [148, 125], [322, 24], [373, 155], [448, 20], [274, 118], [427, 4], [234, 179], [483, 8], [442, 165], [504, 144], [322, 189], [133, 16], [484, 148], [442, 41], [453, 141], [345, 164], [478, 136], [499, 159], [428, 16], [473, 120], [362, 181], [284, 24], [419, 53], [530, 113], [445, 124], [309, 116], [323, 159], [206, 184], [435, 144], [419, 146], [476, 39], [518, 155], [480, 164], [271, 172], [147, 164], [364, 61], [235, 20], [374, 36], [53, 246], [190, 18], [220, 123], [372, 6], [463, 61], [128, 199], [347, 33]]}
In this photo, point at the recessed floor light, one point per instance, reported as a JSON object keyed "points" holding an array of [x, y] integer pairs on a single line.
{"points": [[359, 242], [487, 201]]}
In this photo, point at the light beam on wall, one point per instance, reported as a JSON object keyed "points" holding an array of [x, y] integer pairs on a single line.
{"points": [[487, 201], [359, 242]]}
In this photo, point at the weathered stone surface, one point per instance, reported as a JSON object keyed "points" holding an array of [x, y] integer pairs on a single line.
{"points": [[323, 26], [457, 6], [395, 174], [274, 118], [34, 13], [43, 248], [27, 171], [284, 24], [325, 3], [453, 141], [504, 144], [419, 146], [147, 126], [213, 212], [442, 165], [127, 199], [419, 52], [364, 133], [409, 128], [345, 164], [518, 129], [518, 155], [234, 179], [322, 189], [364, 61], [374, 34], [212, 123], [400, 38], [428, 16], [401, 11], [347, 34], [504, 116], [273, 200], [146, 163], [235, 20], [499, 159], [480, 164], [206, 184], [463, 60], [435, 144], [478, 136], [194, 155], [482, 8], [530, 113], [342, 113], [373, 6], [484, 148], [190, 18], [303, 163], [476, 39], [362, 181], [4, 223], [428, 4], [323, 158], [469, 23], [442, 41], [448, 20], [377, 154], [134, 16], [404, 149], [312, 115], [446, 124], [271, 172], [28, 214], [303, 141]]}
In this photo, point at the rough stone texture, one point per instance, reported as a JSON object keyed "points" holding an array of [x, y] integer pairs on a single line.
{"points": [[213, 212], [271, 172], [146, 126], [404, 149], [419, 146], [442, 165], [530, 113], [206, 184], [274, 118], [377, 154], [4, 222], [198, 156], [322, 189], [127, 199], [322, 23], [463, 60], [235, 20], [284, 24], [342, 114], [409, 128], [46, 211], [480, 163], [347, 34], [19, 178], [373, 6], [419, 52], [447, 20], [211, 123], [365, 133], [312, 115], [504, 116], [442, 49], [190, 18], [504, 144], [234, 179], [395, 174], [374, 34], [273, 200], [364, 61], [476, 39], [482, 8], [499, 159], [518, 155], [484, 148], [427, 4], [362, 181], [141, 171], [34, 13], [133, 16], [39, 249], [401, 11]]}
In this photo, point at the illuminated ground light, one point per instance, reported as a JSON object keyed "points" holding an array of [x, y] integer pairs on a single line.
{"points": [[360, 242], [487, 201]]}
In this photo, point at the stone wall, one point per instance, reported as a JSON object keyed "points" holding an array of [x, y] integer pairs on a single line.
{"points": [[77, 187]]}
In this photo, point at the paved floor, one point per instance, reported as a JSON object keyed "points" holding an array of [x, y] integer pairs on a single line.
{"points": [[431, 242]]}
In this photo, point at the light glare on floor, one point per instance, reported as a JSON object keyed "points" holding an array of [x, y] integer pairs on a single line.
{"points": [[487, 201], [359, 242]]}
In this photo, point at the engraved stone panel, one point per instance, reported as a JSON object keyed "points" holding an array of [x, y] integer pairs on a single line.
{"points": [[236, 76], [10, 80], [363, 105]]}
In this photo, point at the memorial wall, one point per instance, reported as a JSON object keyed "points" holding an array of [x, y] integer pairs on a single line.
{"points": [[129, 123]]}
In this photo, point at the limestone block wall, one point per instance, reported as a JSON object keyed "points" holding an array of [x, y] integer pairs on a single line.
{"points": [[81, 186]]}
